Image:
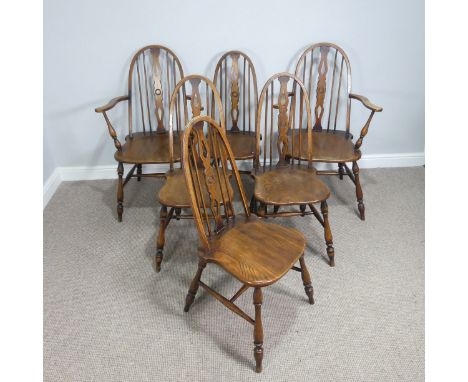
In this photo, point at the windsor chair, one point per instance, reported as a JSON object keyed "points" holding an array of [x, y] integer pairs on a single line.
{"points": [[154, 72], [325, 69], [254, 252], [173, 196], [236, 82], [281, 180]]}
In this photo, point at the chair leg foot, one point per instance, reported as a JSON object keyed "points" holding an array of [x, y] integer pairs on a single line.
{"points": [[309, 290], [139, 171], [328, 234], [120, 194], [194, 286], [359, 194], [258, 329], [159, 259]]}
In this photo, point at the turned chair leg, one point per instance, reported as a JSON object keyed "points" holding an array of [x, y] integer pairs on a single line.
{"points": [[163, 223], [120, 194], [177, 213], [359, 195], [194, 286], [328, 234], [258, 329], [306, 280], [341, 170], [139, 166]]}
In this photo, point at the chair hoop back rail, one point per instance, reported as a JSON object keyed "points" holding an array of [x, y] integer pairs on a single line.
{"points": [[194, 95], [254, 252], [236, 81], [325, 69], [153, 74], [284, 180]]}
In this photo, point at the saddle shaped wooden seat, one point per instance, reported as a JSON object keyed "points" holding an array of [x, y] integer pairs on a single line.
{"points": [[174, 192], [242, 144], [255, 252], [148, 148], [154, 71], [273, 186]]}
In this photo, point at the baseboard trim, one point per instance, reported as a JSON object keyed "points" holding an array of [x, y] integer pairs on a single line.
{"points": [[51, 185], [61, 174]]}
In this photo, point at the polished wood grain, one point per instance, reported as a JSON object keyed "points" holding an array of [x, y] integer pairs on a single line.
{"points": [[286, 182], [256, 253], [153, 74], [193, 96], [326, 67], [236, 82]]}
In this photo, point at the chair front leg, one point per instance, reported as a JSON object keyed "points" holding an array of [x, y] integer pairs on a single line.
{"points": [[194, 285], [306, 280], [120, 194], [139, 172], [341, 170], [328, 234], [359, 195], [164, 219], [258, 329]]}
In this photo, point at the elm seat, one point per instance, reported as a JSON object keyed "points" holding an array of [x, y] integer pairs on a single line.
{"points": [[331, 147], [175, 194], [255, 252], [273, 186], [242, 144], [146, 148]]}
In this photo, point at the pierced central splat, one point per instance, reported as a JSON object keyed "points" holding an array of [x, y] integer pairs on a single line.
{"points": [[235, 91], [283, 120], [158, 89], [321, 87], [205, 161]]}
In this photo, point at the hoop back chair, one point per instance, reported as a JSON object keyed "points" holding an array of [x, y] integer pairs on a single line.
{"points": [[193, 96], [236, 81], [325, 70], [256, 253], [154, 72], [281, 180]]}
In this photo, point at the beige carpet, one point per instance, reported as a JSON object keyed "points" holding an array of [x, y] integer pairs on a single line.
{"points": [[109, 317]]}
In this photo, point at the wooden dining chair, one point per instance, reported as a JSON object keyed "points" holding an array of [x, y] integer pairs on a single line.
{"points": [[202, 98], [236, 82], [254, 252], [154, 72], [281, 180], [325, 70]]}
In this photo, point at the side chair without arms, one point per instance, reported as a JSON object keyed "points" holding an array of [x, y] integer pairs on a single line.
{"points": [[325, 70], [236, 81], [281, 181], [173, 196], [154, 72], [254, 252]]}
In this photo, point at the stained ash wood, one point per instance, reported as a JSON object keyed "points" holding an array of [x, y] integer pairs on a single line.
{"points": [[255, 252]]}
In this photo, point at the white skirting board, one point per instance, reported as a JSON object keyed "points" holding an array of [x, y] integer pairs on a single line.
{"points": [[61, 174]]}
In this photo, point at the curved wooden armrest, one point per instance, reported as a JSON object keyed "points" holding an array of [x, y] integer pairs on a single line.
{"points": [[111, 104], [365, 101]]}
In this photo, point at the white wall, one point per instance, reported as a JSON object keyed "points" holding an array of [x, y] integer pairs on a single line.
{"points": [[88, 45]]}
